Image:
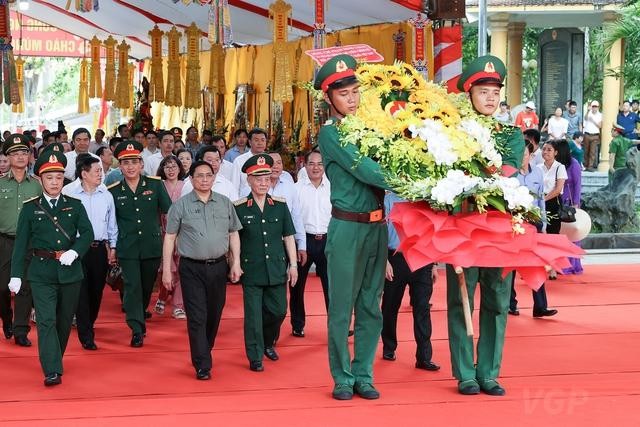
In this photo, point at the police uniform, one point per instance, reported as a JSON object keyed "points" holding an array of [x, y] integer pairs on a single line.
{"points": [[494, 289], [356, 249], [12, 196], [139, 246], [264, 263], [59, 231]]}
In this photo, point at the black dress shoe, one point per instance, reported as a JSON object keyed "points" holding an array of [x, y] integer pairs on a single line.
{"points": [[256, 366], [298, 333], [203, 374], [147, 315], [468, 387], [350, 332], [492, 388], [545, 313], [22, 341], [342, 392], [137, 340], [271, 354], [389, 355], [366, 391], [52, 379], [427, 366], [89, 345], [514, 312], [8, 331]]}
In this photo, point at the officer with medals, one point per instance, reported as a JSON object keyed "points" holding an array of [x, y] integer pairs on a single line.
{"points": [[356, 246], [482, 79], [58, 230], [139, 202], [267, 246], [15, 187]]}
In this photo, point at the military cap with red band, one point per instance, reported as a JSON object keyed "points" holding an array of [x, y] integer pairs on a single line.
{"points": [[260, 164], [487, 69], [50, 161], [337, 68], [128, 150]]}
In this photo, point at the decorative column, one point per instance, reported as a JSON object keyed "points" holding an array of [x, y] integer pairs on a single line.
{"points": [[498, 26], [514, 63], [610, 102]]}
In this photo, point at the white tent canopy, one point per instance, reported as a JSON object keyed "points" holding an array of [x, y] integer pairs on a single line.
{"points": [[132, 19]]}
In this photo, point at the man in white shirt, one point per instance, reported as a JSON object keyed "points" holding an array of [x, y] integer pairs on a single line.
{"points": [[313, 192], [591, 143], [98, 141], [533, 136], [81, 138], [258, 144], [152, 144], [226, 167], [221, 185], [152, 162]]}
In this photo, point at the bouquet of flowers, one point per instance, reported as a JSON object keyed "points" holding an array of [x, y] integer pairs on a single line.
{"points": [[432, 145]]}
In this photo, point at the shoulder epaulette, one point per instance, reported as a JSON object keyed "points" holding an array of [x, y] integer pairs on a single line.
{"points": [[279, 199], [113, 185], [31, 199], [240, 201], [329, 122], [154, 177]]}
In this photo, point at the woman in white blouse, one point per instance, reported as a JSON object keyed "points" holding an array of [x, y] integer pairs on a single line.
{"points": [[557, 125]]}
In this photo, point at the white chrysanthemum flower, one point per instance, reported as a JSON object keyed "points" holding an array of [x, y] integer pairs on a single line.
{"points": [[451, 186]]}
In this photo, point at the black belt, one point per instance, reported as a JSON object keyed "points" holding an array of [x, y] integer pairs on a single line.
{"points": [[98, 243], [7, 236], [204, 261], [594, 134], [48, 254], [364, 217], [317, 236]]}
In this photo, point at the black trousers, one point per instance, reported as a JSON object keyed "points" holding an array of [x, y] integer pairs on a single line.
{"points": [[420, 289], [553, 221], [95, 266], [315, 255], [23, 300], [539, 297], [204, 291]]}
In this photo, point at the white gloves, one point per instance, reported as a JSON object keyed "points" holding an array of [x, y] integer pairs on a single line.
{"points": [[14, 284], [68, 257]]}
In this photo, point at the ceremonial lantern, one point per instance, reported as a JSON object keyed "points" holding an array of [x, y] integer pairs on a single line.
{"points": [[110, 69], [10, 92], [156, 84], [123, 84], [173, 97], [192, 97], [279, 11], [83, 91], [95, 79], [19, 107]]}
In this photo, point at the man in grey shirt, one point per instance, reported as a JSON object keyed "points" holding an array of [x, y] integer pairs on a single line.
{"points": [[207, 226]]}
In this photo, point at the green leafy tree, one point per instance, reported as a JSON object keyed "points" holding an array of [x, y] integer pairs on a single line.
{"points": [[627, 28]]}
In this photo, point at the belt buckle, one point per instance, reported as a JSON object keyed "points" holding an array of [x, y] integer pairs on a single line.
{"points": [[375, 216], [58, 254], [319, 236]]}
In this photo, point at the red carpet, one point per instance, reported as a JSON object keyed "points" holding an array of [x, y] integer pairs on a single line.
{"points": [[577, 368]]}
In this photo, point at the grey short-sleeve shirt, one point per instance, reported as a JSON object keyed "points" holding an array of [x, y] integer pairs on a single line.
{"points": [[202, 228]]}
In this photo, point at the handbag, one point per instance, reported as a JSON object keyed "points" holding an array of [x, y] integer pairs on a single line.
{"points": [[114, 277], [566, 213]]}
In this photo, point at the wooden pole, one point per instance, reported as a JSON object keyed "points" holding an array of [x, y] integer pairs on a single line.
{"points": [[464, 294]]}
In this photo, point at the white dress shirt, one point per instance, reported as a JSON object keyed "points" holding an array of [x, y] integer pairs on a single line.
{"points": [[226, 169], [147, 153], [315, 204], [70, 170], [592, 122], [287, 191], [239, 179], [152, 163], [221, 185], [100, 208]]}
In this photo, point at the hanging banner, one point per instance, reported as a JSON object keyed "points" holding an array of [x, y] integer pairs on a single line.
{"points": [[173, 95], [280, 11], [448, 56], [192, 94], [156, 86], [40, 39]]}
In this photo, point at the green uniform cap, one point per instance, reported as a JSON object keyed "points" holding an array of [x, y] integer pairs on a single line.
{"points": [[51, 161], [260, 164], [338, 67], [128, 150], [16, 142], [54, 146], [485, 69]]}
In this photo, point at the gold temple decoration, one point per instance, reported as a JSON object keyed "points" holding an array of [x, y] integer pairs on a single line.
{"points": [[156, 84], [280, 11], [173, 96], [216, 68], [132, 72], [19, 107], [123, 84], [192, 94], [83, 91], [110, 69], [95, 79]]}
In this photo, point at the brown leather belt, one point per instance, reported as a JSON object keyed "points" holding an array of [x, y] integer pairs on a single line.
{"points": [[48, 254], [364, 217]]}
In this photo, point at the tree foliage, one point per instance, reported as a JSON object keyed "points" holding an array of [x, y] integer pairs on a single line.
{"points": [[627, 28]]}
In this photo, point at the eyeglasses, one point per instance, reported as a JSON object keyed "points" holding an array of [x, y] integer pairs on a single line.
{"points": [[169, 167]]}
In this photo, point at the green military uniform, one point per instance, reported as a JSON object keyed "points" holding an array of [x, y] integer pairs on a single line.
{"points": [[356, 251], [494, 290], [619, 147], [264, 262], [139, 246], [12, 195], [55, 287]]}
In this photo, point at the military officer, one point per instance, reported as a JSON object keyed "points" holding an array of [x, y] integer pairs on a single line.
{"points": [[356, 246], [15, 187], [482, 79], [139, 201], [266, 223], [58, 229]]}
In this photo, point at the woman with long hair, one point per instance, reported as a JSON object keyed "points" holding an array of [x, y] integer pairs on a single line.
{"points": [[186, 159], [571, 193]]}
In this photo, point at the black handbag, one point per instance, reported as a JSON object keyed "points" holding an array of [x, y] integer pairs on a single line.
{"points": [[566, 213]]}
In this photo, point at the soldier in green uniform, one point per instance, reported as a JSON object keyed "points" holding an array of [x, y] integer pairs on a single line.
{"points": [[58, 230], [482, 79], [15, 187], [618, 149], [139, 201], [267, 245], [356, 247]]}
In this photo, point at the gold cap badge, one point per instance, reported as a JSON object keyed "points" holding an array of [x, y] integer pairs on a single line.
{"points": [[261, 161], [489, 68], [341, 66]]}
